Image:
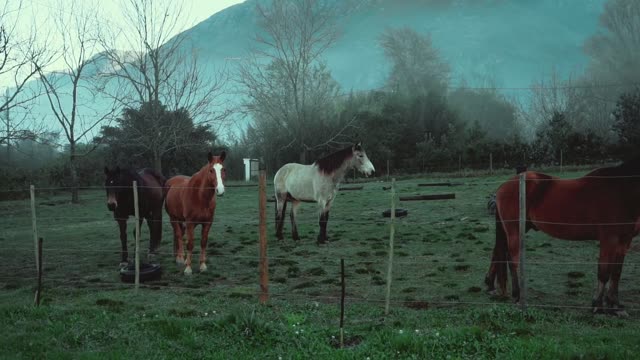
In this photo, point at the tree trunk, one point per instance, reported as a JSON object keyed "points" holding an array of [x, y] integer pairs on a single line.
{"points": [[74, 174], [157, 162], [303, 156]]}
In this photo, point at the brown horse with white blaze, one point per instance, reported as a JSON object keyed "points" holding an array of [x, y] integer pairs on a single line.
{"points": [[603, 205], [191, 201]]}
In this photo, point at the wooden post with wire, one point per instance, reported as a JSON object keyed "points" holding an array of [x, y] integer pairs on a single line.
{"points": [[34, 228], [561, 160], [39, 265], [264, 264], [137, 215], [522, 233], [342, 295], [392, 232]]}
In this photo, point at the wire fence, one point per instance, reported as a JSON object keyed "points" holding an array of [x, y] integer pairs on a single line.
{"points": [[64, 266]]}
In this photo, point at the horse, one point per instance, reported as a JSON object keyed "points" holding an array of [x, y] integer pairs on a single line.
{"points": [[317, 183], [602, 205], [119, 186], [192, 201]]}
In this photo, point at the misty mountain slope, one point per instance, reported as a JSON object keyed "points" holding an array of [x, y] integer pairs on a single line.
{"points": [[509, 43]]}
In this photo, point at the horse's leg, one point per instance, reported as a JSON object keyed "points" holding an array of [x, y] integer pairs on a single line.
{"points": [[324, 219], [604, 273], [178, 233], [513, 247], [122, 225], [203, 246], [154, 222], [490, 277], [281, 207], [619, 252], [294, 214], [190, 228]]}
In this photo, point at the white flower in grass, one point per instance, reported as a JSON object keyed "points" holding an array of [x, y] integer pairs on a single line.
{"points": [[206, 314], [401, 331], [297, 332], [437, 334], [417, 331]]}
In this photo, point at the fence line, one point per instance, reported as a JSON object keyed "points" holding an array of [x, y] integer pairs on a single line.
{"points": [[366, 221], [418, 260], [228, 289]]}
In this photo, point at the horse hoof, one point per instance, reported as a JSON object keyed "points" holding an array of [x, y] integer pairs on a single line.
{"points": [[203, 267], [621, 313], [179, 262], [188, 271], [124, 264]]}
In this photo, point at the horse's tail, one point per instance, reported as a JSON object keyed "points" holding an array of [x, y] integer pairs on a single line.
{"points": [[160, 179], [501, 253]]}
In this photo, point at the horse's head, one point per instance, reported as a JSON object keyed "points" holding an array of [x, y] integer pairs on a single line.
{"points": [[114, 184], [216, 172], [361, 161]]}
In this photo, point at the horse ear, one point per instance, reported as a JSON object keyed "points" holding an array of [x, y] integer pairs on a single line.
{"points": [[209, 156], [357, 146], [223, 154]]}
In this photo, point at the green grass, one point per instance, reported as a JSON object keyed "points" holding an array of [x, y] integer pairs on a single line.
{"points": [[438, 308]]}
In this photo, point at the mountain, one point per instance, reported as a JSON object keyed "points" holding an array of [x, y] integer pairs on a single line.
{"points": [[509, 43]]}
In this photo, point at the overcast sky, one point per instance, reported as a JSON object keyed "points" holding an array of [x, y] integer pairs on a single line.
{"points": [[39, 12]]}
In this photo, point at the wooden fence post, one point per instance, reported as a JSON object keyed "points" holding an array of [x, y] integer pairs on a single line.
{"points": [[137, 215], [522, 233], [561, 161], [264, 264], [32, 194], [342, 295], [39, 265], [391, 237]]}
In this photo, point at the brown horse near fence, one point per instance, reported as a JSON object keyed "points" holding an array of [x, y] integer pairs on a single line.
{"points": [[191, 201], [603, 205]]}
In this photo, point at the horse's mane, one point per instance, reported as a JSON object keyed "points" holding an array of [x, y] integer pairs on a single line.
{"points": [[627, 168], [334, 161]]}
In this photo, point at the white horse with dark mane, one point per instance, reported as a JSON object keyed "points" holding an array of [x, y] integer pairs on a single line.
{"points": [[317, 183]]}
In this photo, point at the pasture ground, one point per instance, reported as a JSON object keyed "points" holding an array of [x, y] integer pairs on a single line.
{"points": [[439, 308]]}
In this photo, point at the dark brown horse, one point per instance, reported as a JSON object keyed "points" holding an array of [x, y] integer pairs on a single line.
{"points": [[191, 201], [119, 186], [603, 205]]}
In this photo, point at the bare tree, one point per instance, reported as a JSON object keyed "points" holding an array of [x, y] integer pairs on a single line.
{"points": [[615, 49], [70, 92], [417, 66], [19, 53], [162, 70], [285, 80]]}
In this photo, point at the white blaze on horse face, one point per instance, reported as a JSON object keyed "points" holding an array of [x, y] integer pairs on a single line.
{"points": [[218, 169], [363, 164], [112, 202]]}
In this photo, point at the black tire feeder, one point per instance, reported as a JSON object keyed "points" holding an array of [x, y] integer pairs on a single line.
{"points": [[399, 213], [147, 272]]}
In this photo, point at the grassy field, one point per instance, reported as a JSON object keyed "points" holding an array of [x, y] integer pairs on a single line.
{"points": [[439, 308]]}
